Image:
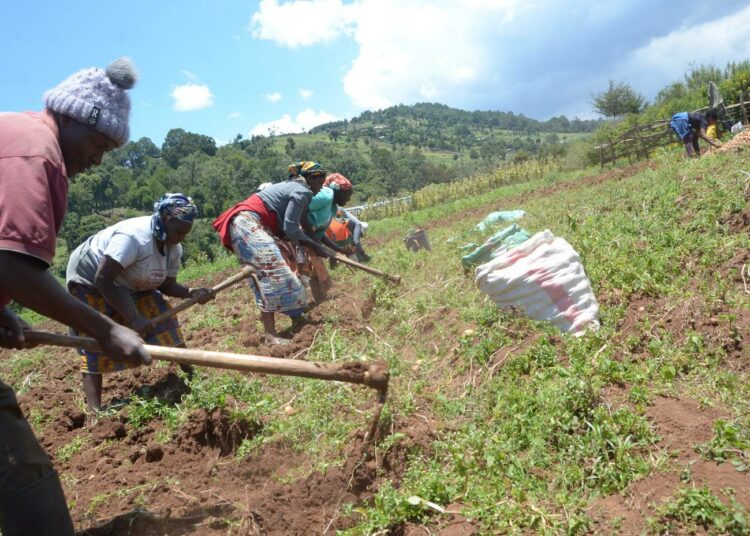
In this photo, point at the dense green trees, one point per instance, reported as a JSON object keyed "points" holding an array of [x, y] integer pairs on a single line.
{"points": [[386, 153]]}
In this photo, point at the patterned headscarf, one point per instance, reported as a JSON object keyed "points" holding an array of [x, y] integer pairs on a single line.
{"points": [[336, 181], [305, 169], [179, 206]]}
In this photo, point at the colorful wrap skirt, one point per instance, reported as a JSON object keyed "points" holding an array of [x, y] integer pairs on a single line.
{"points": [[281, 290], [149, 304]]}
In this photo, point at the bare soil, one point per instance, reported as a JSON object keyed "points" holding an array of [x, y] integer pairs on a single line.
{"points": [[124, 481], [682, 425]]}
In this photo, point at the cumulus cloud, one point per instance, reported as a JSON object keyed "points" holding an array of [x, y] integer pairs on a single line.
{"points": [[234, 115], [305, 120], [510, 54], [301, 22], [189, 97], [273, 97], [721, 41], [305, 93]]}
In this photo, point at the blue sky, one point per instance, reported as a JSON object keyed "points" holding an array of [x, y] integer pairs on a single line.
{"points": [[229, 67]]}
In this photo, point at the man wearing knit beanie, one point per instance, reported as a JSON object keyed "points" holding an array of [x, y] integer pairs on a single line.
{"points": [[84, 117]]}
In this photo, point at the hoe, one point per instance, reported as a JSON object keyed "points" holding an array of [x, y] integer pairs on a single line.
{"points": [[372, 375]]}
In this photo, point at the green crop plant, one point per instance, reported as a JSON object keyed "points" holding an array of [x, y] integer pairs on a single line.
{"points": [[699, 508]]}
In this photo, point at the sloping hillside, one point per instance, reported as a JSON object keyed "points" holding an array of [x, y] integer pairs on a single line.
{"points": [[505, 424]]}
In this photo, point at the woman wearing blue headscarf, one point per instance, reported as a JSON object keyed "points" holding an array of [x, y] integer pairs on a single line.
{"points": [[124, 270]]}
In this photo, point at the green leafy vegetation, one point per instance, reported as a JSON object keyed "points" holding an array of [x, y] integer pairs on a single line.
{"points": [[700, 508]]}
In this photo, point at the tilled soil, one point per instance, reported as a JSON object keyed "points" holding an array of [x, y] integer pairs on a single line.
{"points": [[124, 481], [682, 425]]}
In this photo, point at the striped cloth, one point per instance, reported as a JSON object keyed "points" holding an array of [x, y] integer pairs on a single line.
{"points": [[149, 304], [281, 291]]}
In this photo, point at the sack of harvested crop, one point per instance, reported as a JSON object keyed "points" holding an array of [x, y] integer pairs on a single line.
{"points": [[544, 278]]}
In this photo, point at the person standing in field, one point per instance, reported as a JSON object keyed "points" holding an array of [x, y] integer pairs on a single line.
{"points": [[85, 116], [690, 126], [124, 271]]}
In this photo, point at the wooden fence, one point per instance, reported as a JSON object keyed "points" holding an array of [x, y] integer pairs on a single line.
{"points": [[639, 141]]}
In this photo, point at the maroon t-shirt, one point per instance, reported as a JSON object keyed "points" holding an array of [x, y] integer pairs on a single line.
{"points": [[33, 185]]}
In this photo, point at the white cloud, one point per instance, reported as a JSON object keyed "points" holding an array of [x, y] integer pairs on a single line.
{"points": [[510, 54], [305, 93], [189, 97], [301, 22], [305, 120], [273, 97], [408, 49], [716, 42], [234, 115]]}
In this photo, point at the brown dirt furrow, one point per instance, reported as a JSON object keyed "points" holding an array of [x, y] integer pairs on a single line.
{"points": [[682, 425]]}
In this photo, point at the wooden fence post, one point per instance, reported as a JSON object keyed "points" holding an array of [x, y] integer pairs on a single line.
{"points": [[744, 110], [639, 139]]}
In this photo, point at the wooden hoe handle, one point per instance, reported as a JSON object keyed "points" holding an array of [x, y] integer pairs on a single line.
{"points": [[246, 272], [372, 375], [346, 260]]}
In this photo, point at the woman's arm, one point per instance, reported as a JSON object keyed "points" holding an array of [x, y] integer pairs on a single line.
{"points": [[33, 286], [333, 245], [171, 287], [292, 225], [118, 297], [702, 134]]}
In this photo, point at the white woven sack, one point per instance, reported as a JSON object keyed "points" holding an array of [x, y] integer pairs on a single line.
{"points": [[544, 278]]}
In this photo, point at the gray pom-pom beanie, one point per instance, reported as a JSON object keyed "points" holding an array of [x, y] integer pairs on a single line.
{"points": [[97, 98]]}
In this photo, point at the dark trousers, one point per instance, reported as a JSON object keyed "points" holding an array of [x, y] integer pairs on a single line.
{"points": [[31, 497]]}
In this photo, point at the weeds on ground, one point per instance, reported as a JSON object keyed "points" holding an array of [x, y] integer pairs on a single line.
{"points": [[699, 508]]}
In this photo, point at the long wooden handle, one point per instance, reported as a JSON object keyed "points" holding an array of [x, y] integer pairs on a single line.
{"points": [[373, 375], [346, 260], [246, 272]]}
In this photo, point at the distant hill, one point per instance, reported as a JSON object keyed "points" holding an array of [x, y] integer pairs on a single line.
{"points": [[440, 127]]}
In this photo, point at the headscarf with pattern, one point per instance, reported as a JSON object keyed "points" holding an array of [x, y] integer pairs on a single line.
{"points": [[336, 181], [178, 206], [305, 169]]}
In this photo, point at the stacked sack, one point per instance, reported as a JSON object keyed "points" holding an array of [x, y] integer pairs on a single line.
{"points": [[544, 278], [495, 245]]}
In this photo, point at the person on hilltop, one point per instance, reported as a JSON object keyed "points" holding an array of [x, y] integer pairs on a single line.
{"points": [[690, 126], [123, 272], [85, 116], [264, 231]]}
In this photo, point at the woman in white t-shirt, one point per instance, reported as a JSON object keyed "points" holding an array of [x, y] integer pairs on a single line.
{"points": [[123, 271]]}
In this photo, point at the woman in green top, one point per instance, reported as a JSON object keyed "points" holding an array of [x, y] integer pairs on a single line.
{"points": [[336, 192]]}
